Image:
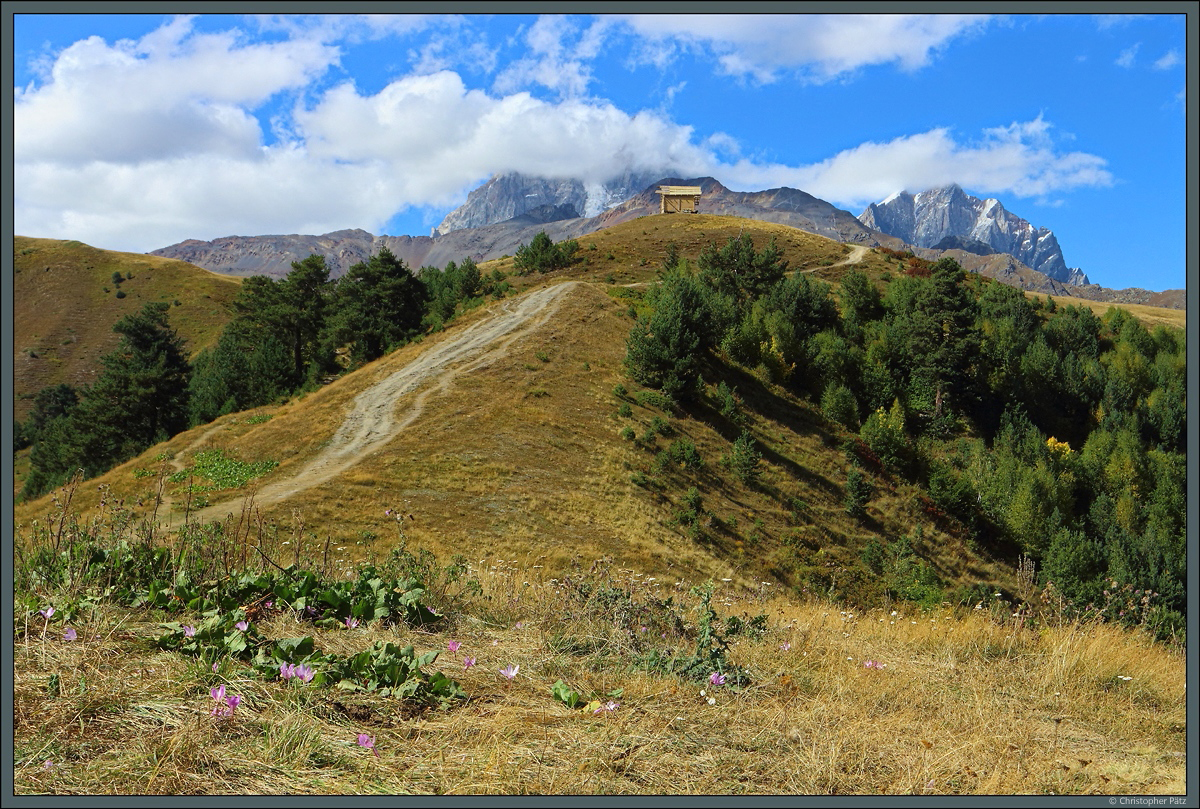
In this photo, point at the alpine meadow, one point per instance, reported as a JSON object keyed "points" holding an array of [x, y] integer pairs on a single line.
{"points": [[724, 470], [652, 470]]}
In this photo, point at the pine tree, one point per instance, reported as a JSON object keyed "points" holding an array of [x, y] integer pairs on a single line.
{"points": [[293, 311], [739, 271], [141, 398], [379, 306], [664, 350]]}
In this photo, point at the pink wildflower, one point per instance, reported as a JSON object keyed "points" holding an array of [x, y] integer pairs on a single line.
{"points": [[368, 742]]}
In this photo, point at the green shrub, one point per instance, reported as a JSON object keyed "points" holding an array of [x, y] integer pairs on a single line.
{"points": [[729, 404], [873, 555], [652, 398], [884, 433], [657, 426], [858, 492], [840, 406], [683, 453], [544, 255], [745, 460]]}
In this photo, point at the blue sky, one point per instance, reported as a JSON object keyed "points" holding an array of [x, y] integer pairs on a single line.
{"points": [[132, 132]]}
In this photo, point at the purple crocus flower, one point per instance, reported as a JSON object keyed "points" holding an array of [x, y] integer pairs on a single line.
{"points": [[287, 671], [510, 671], [453, 645], [189, 631], [716, 678], [230, 703], [468, 662], [351, 623], [304, 672], [241, 626], [70, 634], [368, 742], [47, 613]]}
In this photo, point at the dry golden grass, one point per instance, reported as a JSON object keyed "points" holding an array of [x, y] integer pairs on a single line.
{"points": [[965, 704], [1151, 316], [524, 454], [519, 465], [63, 318]]}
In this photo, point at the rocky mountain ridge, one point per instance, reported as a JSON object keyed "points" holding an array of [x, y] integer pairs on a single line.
{"points": [[558, 214], [927, 218], [511, 195], [272, 255]]}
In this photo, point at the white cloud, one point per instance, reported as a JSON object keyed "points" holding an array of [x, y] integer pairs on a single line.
{"points": [[169, 94], [672, 91], [443, 136], [1107, 21], [350, 27], [1168, 60], [560, 51], [1020, 159], [137, 145], [1128, 55], [437, 53], [136, 171], [155, 203], [816, 47]]}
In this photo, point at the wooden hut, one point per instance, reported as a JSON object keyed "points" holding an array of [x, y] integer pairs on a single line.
{"points": [[678, 198]]}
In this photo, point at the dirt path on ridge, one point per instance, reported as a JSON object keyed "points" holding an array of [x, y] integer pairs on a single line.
{"points": [[375, 416]]}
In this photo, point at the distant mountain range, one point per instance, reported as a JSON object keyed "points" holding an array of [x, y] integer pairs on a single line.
{"points": [[510, 209], [940, 215], [474, 230]]}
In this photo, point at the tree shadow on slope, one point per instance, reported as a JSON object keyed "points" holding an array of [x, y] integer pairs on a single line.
{"points": [[756, 397]]}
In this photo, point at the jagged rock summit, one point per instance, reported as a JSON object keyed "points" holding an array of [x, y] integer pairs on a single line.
{"points": [[512, 195], [930, 217]]}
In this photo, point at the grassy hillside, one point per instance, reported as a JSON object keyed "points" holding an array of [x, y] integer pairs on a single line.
{"points": [[1150, 315], [527, 450], [526, 454], [564, 527], [65, 304], [633, 252]]}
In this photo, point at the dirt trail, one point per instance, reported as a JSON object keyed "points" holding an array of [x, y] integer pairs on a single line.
{"points": [[375, 416], [856, 255], [857, 252]]}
